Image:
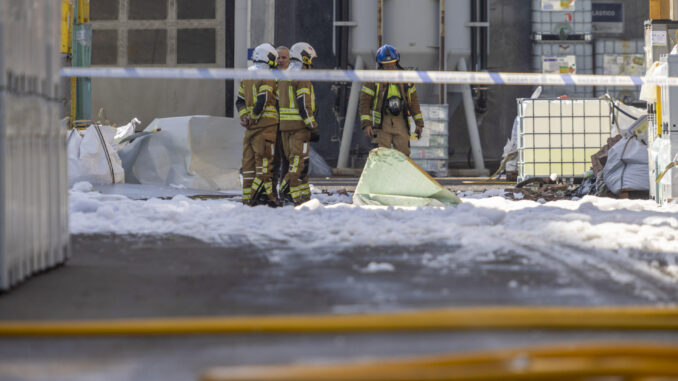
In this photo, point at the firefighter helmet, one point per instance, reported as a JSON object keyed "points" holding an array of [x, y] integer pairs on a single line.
{"points": [[303, 52], [266, 54], [387, 53]]}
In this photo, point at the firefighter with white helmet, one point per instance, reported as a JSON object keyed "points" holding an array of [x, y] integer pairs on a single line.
{"points": [[259, 115], [385, 107], [298, 126]]}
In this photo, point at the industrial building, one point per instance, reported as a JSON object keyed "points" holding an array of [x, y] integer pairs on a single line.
{"points": [[525, 226]]}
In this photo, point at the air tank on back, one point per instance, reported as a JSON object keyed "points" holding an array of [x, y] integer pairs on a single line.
{"points": [[413, 27]]}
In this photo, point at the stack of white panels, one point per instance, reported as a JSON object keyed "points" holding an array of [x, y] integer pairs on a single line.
{"points": [[33, 181], [430, 152]]}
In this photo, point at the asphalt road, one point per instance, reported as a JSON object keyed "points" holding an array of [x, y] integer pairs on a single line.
{"points": [[112, 277]]}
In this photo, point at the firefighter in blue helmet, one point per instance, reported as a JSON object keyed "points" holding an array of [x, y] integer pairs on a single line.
{"points": [[385, 107]]}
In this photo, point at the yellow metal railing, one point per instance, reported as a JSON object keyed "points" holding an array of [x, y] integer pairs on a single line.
{"points": [[591, 361], [476, 318]]}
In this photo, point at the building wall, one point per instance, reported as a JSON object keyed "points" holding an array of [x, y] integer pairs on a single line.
{"points": [[311, 21], [179, 33], [509, 51], [169, 33]]}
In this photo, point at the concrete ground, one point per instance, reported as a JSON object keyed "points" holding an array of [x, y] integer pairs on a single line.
{"points": [[111, 277], [126, 277]]}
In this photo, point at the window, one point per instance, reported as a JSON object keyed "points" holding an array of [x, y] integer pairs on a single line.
{"points": [[147, 9], [147, 46], [104, 47], [162, 32], [103, 10], [196, 9], [196, 46]]}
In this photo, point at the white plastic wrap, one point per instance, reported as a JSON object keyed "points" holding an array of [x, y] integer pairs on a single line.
{"points": [[93, 156], [627, 166], [194, 152]]}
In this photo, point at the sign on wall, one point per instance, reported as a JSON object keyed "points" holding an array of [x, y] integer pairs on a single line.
{"points": [[607, 17]]}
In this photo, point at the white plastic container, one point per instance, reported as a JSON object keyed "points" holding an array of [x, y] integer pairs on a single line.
{"points": [[619, 57], [563, 57], [560, 135], [553, 20]]}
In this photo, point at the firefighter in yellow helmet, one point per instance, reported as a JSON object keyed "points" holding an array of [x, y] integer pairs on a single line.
{"points": [[385, 107], [298, 126], [259, 115]]}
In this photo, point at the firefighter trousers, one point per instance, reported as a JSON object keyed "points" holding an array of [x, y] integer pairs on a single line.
{"points": [[394, 132], [296, 145], [257, 158], [280, 163]]}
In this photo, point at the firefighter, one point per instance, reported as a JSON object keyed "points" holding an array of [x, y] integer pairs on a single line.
{"points": [[385, 107], [298, 126], [258, 114]]}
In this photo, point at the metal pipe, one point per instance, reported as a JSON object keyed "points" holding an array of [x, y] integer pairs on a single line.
{"points": [[380, 25], [442, 52], [349, 120], [240, 40], [471, 122]]}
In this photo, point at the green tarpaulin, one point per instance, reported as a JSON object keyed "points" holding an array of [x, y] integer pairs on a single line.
{"points": [[391, 178]]}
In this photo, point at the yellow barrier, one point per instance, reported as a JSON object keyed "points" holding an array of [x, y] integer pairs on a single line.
{"points": [[66, 25], [565, 362], [480, 318]]}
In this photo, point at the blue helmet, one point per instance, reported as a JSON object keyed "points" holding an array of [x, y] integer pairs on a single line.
{"points": [[387, 53]]}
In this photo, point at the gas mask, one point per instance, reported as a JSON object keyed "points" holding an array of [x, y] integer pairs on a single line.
{"points": [[395, 105]]}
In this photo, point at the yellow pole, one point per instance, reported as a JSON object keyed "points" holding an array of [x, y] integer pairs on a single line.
{"points": [[573, 361], [477, 318]]}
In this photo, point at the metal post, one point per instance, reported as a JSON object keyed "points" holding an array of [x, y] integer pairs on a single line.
{"points": [[380, 25], [471, 122], [442, 52], [240, 41], [349, 121]]}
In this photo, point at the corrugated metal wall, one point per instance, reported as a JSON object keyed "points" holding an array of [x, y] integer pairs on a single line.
{"points": [[33, 182]]}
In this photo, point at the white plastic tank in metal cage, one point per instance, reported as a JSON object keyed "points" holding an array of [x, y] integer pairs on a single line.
{"points": [[564, 57], [619, 57], [560, 135], [561, 18]]}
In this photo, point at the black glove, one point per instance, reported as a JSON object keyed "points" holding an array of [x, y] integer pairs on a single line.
{"points": [[315, 136]]}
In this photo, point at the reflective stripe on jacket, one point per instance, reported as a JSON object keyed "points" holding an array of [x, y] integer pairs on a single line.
{"points": [[292, 117], [247, 99], [372, 96]]}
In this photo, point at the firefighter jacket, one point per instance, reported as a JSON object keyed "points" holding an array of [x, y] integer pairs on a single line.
{"points": [[256, 98], [296, 100], [373, 98]]}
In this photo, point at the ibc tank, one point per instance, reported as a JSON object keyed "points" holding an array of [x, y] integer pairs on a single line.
{"points": [[413, 27]]}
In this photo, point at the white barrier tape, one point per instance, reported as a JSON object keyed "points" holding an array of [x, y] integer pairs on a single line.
{"points": [[438, 77]]}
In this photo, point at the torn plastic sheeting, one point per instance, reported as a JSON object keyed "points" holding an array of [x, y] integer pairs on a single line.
{"points": [[391, 178], [93, 156], [195, 152]]}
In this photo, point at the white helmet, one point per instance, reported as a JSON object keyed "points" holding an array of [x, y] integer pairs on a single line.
{"points": [[302, 53], [266, 55]]}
